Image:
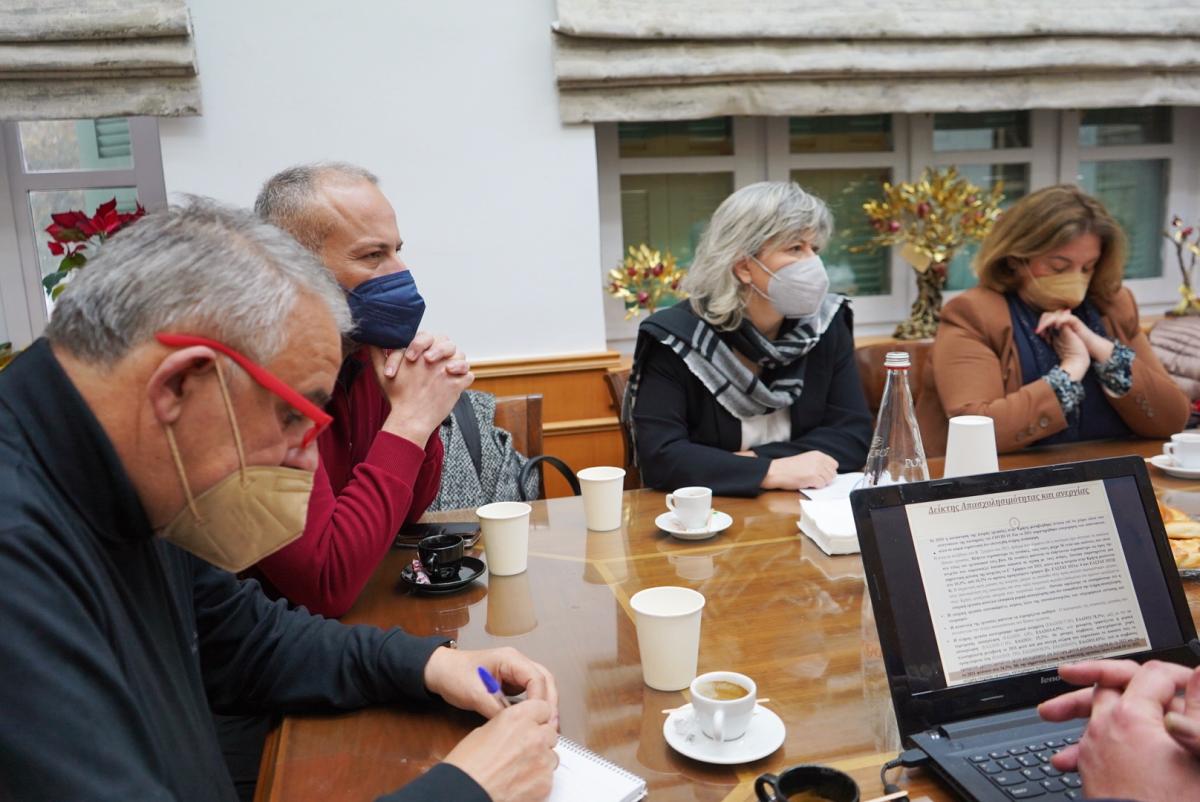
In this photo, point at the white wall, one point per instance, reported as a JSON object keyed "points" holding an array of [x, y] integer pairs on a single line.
{"points": [[453, 105]]}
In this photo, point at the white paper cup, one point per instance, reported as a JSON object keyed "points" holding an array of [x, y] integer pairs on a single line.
{"points": [[1184, 449], [668, 633], [724, 719], [602, 489], [510, 608], [691, 506], [505, 527], [970, 446]]}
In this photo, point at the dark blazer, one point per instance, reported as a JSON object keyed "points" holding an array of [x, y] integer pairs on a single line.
{"points": [[684, 437]]}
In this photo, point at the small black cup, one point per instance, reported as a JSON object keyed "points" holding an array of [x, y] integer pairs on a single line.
{"points": [[441, 555], [820, 781]]}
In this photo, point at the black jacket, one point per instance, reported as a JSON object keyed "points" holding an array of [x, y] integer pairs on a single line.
{"points": [[113, 643], [684, 437]]}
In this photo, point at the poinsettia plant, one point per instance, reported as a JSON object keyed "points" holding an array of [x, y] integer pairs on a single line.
{"points": [[71, 232]]}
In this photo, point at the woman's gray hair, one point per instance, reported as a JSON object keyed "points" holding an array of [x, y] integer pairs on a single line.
{"points": [[197, 268], [763, 214]]}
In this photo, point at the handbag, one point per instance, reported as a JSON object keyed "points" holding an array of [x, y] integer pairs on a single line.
{"points": [[481, 465]]}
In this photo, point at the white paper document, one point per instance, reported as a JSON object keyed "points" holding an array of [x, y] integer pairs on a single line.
{"points": [[1025, 580], [840, 487]]}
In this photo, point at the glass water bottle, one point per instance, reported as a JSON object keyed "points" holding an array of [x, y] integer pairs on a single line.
{"points": [[896, 453]]}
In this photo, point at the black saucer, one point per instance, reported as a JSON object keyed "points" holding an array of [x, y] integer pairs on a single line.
{"points": [[471, 569]]}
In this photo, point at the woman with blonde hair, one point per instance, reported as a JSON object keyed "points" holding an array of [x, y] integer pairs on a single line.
{"points": [[751, 384], [1049, 345]]}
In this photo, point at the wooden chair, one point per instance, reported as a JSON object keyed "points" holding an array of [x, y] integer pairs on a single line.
{"points": [[617, 380], [873, 375], [521, 416]]}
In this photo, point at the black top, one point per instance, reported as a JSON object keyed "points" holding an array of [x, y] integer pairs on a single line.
{"points": [[685, 437], [113, 643]]}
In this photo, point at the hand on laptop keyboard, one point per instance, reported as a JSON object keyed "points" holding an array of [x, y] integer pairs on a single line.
{"points": [[1126, 751]]}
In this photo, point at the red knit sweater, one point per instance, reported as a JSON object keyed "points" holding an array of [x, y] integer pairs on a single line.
{"points": [[368, 484]]}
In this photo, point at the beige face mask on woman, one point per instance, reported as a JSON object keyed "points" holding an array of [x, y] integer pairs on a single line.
{"points": [[1056, 291], [244, 517]]}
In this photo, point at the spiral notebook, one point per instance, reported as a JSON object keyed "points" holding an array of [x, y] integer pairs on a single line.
{"points": [[584, 776]]}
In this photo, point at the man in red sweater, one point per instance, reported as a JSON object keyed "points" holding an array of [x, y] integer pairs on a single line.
{"points": [[381, 459]]}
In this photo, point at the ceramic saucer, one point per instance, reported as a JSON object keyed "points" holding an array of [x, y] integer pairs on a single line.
{"points": [[719, 522], [764, 735], [1165, 463], [471, 569]]}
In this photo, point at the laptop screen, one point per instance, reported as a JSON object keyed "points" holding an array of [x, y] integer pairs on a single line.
{"points": [[996, 584]]}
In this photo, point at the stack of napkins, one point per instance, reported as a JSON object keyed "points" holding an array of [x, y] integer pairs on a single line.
{"points": [[826, 517]]}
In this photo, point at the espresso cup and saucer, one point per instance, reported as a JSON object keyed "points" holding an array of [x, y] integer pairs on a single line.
{"points": [[724, 724], [807, 784], [1181, 455], [445, 563], [690, 515]]}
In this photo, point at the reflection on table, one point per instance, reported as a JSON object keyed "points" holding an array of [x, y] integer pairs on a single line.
{"points": [[777, 609]]}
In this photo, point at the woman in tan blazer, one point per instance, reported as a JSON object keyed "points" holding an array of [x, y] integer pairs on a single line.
{"points": [[1049, 345]]}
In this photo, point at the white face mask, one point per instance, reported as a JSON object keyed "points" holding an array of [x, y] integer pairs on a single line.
{"points": [[796, 289]]}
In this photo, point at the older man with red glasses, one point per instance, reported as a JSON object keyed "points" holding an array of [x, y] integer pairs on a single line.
{"points": [[162, 431]]}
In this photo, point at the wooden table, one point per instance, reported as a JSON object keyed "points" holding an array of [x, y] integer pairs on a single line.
{"points": [[778, 609]]}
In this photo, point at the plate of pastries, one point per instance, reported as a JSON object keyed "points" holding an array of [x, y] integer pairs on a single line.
{"points": [[1184, 533]]}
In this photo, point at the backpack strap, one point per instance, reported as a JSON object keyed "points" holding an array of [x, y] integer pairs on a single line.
{"points": [[562, 467], [468, 426]]}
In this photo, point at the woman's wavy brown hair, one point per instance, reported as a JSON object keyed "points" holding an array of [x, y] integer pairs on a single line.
{"points": [[1043, 221]]}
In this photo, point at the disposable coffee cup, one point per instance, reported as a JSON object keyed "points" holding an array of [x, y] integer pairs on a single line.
{"points": [[691, 506], [1184, 449], [505, 527], [602, 489], [806, 782], [668, 633], [970, 446], [723, 702]]}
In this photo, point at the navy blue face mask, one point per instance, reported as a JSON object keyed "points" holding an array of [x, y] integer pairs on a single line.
{"points": [[387, 310]]}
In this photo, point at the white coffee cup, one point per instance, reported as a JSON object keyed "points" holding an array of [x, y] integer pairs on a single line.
{"points": [[1184, 449], [602, 488], [691, 506], [505, 527], [668, 633], [970, 446], [723, 719]]}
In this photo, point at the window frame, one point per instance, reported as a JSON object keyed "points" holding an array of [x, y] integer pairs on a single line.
{"points": [[21, 291], [761, 152]]}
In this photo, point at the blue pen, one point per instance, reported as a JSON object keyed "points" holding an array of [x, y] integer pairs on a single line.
{"points": [[493, 687]]}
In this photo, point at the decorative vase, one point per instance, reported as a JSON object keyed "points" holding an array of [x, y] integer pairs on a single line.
{"points": [[926, 311], [1189, 303]]}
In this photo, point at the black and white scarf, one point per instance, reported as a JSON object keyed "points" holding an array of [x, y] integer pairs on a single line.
{"points": [[709, 355]]}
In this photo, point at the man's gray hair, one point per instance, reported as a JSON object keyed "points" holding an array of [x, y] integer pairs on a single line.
{"points": [[290, 199], [197, 268], [769, 213]]}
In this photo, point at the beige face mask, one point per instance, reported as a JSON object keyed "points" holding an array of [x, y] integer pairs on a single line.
{"points": [[1057, 291], [244, 517]]}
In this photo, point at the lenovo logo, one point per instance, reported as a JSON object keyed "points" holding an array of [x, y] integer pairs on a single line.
{"points": [[1048, 680]]}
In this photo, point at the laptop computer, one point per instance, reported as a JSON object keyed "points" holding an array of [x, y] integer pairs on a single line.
{"points": [[983, 585]]}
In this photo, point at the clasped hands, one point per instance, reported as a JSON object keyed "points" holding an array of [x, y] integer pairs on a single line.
{"points": [[422, 382], [1077, 346], [1143, 737]]}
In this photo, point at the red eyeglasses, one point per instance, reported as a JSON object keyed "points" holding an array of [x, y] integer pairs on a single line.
{"points": [[265, 378]]}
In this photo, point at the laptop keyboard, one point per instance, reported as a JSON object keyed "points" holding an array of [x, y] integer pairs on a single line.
{"points": [[1023, 771]]}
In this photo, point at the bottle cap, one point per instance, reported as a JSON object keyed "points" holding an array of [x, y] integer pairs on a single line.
{"points": [[896, 359]]}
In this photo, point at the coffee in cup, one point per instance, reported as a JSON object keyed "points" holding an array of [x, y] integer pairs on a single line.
{"points": [[806, 784], [441, 556], [724, 704], [1184, 449], [691, 505]]}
